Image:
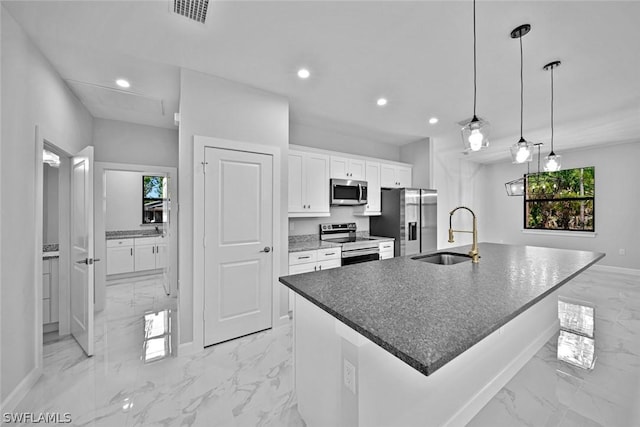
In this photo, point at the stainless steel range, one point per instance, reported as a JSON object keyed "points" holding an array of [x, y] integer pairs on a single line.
{"points": [[354, 249]]}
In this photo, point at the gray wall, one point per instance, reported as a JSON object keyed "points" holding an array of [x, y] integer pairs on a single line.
{"points": [[215, 107], [616, 205], [32, 94], [122, 142]]}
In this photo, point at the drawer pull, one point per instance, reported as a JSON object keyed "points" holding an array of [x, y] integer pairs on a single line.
{"points": [[332, 253], [303, 257]]}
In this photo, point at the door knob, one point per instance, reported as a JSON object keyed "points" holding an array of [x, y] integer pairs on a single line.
{"points": [[266, 249]]}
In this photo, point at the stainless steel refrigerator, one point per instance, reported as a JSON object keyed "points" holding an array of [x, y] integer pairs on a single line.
{"points": [[410, 216]]}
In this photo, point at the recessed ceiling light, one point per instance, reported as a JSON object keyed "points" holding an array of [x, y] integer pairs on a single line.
{"points": [[381, 102], [433, 120], [303, 73], [123, 83]]}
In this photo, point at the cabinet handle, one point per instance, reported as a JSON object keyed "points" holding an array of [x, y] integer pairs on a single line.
{"points": [[153, 249], [131, 251], [309, 207], [315, 268], [332, 253], [319, 267], [303, 257]]}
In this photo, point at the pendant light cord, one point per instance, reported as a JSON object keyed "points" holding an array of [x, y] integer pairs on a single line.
{"points": [[474, 58], [521, 89], [552, 153]]}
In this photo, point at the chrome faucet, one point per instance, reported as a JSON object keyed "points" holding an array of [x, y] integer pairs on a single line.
{"points": [[473, 253]]}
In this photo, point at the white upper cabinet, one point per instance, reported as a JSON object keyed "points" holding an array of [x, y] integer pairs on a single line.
{"points": [[372, 177], [346, 168], [395, 176], [308, 184]]}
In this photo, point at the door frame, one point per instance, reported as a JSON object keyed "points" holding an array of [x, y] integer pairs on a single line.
{"points": [[99, 194], [64, 209], [199, 145]]}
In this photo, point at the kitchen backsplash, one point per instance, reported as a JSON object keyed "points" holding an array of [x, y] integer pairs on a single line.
{"points": [[302, 226]]}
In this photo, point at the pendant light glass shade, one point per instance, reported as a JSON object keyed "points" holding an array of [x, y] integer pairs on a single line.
{"points": [[475, 133], [521, 151], [515, 187], [553, 162]]}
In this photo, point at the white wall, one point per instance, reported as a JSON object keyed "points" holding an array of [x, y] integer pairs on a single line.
{"points": [[616, 209], [32, 94], [459, 183], [419, 155], [122, 142], [328, 139], [215, 107], [50, 205], [302, 226], [124, 201]]}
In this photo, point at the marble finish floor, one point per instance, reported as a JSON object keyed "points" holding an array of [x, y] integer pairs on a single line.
{"points": [[249, 381]]}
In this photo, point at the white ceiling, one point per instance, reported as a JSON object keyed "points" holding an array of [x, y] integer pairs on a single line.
{"points": [[416, 54]]}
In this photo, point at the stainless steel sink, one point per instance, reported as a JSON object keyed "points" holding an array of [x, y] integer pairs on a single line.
{"points": [[443, 258]]}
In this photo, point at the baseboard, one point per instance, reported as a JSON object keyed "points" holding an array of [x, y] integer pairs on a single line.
{"points": [[186, 349], [118, 279], [16, 396], [474, 405], [612, 269]]}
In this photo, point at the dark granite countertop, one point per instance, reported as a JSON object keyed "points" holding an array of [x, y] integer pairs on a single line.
{"points": [[50, 251], [310, 245], [132, 234], [427, 314], [313, 243]]}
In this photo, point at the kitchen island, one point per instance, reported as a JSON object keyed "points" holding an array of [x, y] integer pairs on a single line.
{"points": [[406, 342]]}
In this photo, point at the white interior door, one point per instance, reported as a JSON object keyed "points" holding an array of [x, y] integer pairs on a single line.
{"points": [[82, 268], [238, 192]]}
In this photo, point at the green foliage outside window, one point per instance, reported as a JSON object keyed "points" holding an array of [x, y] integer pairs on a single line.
{"points": [[562, 200], [154, 199]]}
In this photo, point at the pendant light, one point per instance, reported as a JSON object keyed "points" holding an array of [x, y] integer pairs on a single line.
{"points": [[475, 134], [517, 187], [522, 150], [553, 161]]}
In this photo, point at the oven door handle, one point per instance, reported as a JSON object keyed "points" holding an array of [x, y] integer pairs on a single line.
{"points": [[354, 253]]}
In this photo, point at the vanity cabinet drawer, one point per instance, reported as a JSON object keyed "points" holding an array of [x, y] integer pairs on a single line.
{"points": [[119, 243]]}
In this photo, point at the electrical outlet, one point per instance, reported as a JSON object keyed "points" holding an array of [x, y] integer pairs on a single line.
{"points": [[349, 376], [622, 252]]}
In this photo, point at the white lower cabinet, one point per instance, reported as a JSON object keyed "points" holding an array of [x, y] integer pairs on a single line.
{"points": [[136, 254], [386, 250], [120, 256], [50, 304], [313, 260], [145, 254]]}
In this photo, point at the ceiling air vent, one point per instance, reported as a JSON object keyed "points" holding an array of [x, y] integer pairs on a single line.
{"points": [[192, 9]]}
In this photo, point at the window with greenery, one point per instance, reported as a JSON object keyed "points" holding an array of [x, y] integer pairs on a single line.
{"points": [[154, 198], [562, 200]]}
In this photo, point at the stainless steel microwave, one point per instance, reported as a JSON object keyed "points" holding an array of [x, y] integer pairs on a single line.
{"points": [[348, 192]]}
